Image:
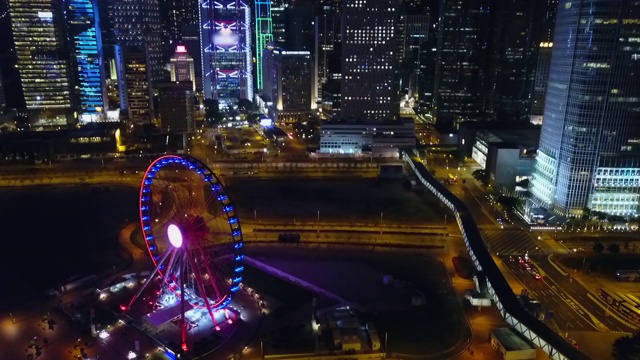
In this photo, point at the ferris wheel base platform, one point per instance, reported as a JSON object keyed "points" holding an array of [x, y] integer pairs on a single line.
{"points": [[160, 318]]}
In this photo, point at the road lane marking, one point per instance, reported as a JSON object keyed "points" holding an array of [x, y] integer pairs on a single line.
{"points": [[597, 324], [611, 313]]}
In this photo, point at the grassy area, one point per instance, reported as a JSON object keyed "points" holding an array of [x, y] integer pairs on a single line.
{"points": [[359, 200], [428, 329], [288, 294], [53, 233]]}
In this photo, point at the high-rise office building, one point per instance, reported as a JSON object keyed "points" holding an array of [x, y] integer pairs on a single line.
{"points": [[134, 83], [516, 39], [182, 67], [299, 25], [176, 16], [589, 153], [227, 66], [413, 33], [328, 52], [3, 100], [279, 21], [540, 81], [368, 59], [137, 23], [461, 86], [85, 37], [544, 60], [176, 107], [289, 83], [42, 63], [295, 91], [264, 35]]}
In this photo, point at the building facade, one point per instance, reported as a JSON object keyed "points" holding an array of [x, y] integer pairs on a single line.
{"points": [[182, 66], [413, 29], [42, 63], [227, 64], [516, 39], [328, 52], [176, 107], [137, 23], [264, 35], [288, 84], [507, 156], [589, 153], [380, 138], [279, 21], [544, 61], [85, 36], [368, 87], [3, 99], [134, 83], [461, 83]]}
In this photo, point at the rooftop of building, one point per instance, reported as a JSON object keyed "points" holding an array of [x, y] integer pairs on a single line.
{"points": [[354, 121], [512, 340], [528, 137]]}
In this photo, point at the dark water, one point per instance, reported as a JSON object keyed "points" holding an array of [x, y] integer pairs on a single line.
{"points": [[50, 234]]}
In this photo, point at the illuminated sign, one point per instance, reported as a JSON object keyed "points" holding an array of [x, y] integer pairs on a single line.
{"points": [[266, 122], [45, 15], [181, 49]]}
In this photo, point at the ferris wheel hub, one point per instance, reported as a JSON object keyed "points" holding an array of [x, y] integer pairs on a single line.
{"points": [[175, 235]]}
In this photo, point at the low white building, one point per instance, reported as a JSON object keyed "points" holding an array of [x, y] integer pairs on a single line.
{"points": [[381, 138], [511, 344]]}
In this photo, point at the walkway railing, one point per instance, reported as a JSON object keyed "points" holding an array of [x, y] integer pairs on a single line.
{"points": [[499, 290]]}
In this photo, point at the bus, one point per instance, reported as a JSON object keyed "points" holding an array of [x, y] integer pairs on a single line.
{"points": [[628, 275], [452, 179], [627, 305], [610, 298], [630, 312]]}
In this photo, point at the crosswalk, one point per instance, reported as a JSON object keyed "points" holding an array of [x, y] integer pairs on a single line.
{"points": [[510, 242]]}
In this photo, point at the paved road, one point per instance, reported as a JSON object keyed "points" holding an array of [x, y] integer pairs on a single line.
{"points": [[567, 314], [511, 242], [579, 293]]}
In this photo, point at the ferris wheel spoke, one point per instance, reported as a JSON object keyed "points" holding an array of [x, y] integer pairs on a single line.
{"points": [[203, 293]]}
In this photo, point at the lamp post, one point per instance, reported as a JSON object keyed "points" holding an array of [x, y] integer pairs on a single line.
{"points": [[386, 337]]}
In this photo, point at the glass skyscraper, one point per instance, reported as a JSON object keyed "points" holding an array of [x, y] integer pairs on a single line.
{"points": [[84, 33], [589, 153], [227, 64], [43, 66]]}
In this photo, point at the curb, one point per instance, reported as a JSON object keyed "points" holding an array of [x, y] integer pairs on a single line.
{"points": [[553, 263]]}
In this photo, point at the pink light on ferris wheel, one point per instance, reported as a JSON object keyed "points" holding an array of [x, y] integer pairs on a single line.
{"points": [[175, 235]]}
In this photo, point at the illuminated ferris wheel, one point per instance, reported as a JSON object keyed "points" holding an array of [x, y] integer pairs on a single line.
{"points": [[193, 236]]}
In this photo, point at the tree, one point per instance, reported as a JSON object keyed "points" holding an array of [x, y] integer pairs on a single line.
{"points": [[524, 183], [211, 110], [613, 248], [508, 202], [458, 155], [598, 248], [626, 348], [245, 106]]}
